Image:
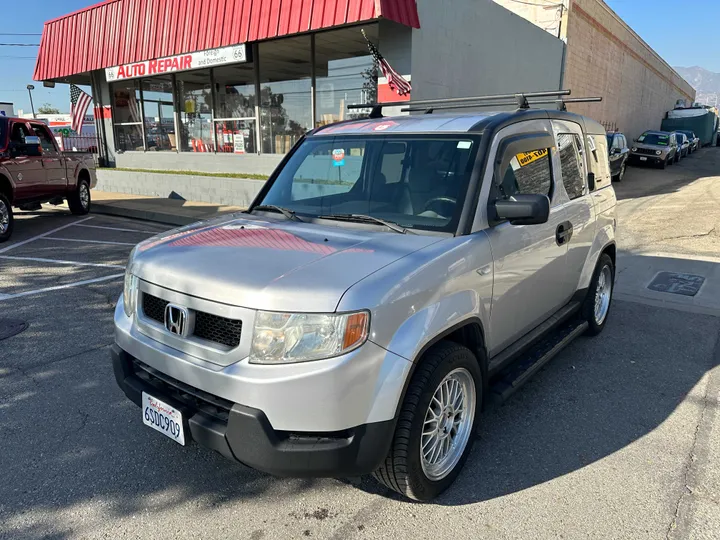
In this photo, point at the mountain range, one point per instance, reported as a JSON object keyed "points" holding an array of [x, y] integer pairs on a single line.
{"points": [[706, 83]]}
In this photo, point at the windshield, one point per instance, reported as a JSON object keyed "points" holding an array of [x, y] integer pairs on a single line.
{"points": [[610, 140], [654, 138], [416, 181]]}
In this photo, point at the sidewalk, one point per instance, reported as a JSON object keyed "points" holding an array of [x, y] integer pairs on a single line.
{"points": [[170, 211]]}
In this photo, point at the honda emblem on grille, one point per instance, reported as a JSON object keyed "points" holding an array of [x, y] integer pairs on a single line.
{"points": [[176, 319]]}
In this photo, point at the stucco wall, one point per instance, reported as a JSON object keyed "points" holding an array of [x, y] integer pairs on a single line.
{"points": [[476, 47], [605, 57]]}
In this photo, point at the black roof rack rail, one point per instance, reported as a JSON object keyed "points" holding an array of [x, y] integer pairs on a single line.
{"points": [[521, 99], [559, 102]]}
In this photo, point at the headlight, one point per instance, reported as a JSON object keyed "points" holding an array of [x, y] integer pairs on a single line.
{"points": [[284, 338], [658, 152], [129, 286], [633, 149]]}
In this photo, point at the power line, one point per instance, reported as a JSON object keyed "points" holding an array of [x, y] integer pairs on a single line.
{"points": [[12, 34], [11, 56], [19, 44]]}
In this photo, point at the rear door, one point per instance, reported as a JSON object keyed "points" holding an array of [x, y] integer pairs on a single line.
{"points": [[27, 170], [615, 157], [577, 199], [528, 260], [52, 160]]}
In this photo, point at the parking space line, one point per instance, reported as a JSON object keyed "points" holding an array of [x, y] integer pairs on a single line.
{"points": [[60, 287], [13, 246], [89, 241], [57, 261], [118, 229]]}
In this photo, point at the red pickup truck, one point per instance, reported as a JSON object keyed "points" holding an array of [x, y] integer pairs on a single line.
{"points": [[34, 171]]}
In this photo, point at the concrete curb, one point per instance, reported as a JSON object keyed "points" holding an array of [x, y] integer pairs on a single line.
{"points": [[146, 215]]}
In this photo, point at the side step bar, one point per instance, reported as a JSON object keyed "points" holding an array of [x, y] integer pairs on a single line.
{"points": [[518, 373]]}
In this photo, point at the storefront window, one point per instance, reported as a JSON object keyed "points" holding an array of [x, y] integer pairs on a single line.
{"points": [[126, 116], [159, 113], [285, 101], [342, 77], [194, 92], [235, 123]]}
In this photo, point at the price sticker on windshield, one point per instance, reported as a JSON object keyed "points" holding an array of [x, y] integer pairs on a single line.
{"points": [[338, 156], [525, 158]]}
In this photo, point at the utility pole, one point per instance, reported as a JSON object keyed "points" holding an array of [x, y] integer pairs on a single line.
{"points": [[30, 88]]}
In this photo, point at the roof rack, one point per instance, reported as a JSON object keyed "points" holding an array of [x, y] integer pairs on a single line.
{"points": [[520, 99], [561, 104]]}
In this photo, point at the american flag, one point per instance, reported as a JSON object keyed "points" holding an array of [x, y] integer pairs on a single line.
{"points": [[79, 103], [395, 81]]}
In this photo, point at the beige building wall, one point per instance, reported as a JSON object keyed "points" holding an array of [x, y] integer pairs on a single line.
{"points": [[550, 15], [605, 57]]}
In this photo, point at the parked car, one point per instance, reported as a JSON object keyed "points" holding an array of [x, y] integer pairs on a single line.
{"points": [[34, 171], [655, 148], [683, 144], [619, 153], [694, 140], [357, 322]]}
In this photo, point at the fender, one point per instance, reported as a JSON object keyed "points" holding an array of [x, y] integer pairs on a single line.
{"points": [[5, 176], [604, 237]]}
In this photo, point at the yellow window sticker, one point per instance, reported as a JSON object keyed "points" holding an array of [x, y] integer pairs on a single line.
{"points": [[525, 158]]}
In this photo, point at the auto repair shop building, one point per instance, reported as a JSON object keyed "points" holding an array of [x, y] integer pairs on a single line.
{"points": [[230, 86]]}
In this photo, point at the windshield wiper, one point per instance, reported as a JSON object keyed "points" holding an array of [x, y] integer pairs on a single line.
{"points": [[362, 218], [290, 214]]}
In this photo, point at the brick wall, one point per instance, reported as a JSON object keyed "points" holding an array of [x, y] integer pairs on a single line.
{"points": [[606, 58]]}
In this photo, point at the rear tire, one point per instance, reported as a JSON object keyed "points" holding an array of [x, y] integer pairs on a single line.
{"points": [[79, 201], [439, 414], [596, 306], [7, 220], [620, 175]]}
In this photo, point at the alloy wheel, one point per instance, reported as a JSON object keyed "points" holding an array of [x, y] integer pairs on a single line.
{"points": [[84, 195], [603, 292], [4, 217], [448, 423]]}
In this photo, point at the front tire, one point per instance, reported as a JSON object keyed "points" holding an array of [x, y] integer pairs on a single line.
{"points": [[664, 164], [596, 307], [437, 423], [79, 201], [7, 220], [621, 174]]}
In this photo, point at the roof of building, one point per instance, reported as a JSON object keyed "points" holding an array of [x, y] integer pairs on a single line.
{"points": [[117, 32]]}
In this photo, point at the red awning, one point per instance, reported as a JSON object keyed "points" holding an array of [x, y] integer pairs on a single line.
{"points": [[118, 32]]}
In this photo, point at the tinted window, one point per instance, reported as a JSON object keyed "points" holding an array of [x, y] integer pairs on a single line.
{"points": [[18, 133], [528, 173], [571, 166], [623, 141], [46, 140], [417, 181], [654, 138], [598, 160]]}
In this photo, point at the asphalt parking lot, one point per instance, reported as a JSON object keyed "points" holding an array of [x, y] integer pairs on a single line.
{"points": [[618, 437]]}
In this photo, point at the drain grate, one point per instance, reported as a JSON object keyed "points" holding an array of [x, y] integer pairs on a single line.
{"points": [[676, 283], [11, 327]]}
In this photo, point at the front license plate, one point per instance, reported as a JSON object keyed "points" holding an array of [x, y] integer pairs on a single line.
{"points": [[163, 418], [643, 159]]}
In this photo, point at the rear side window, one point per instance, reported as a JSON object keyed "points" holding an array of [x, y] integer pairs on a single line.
{"points": [[19, 132], [598, 160], [571, 166], [528, 173], [46, 141]]}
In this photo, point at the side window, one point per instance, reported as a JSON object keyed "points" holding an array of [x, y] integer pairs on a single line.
{"points": [[598, 160], [46, 141], [623, 142], [18, 133], [528, 173], [571, 166]]}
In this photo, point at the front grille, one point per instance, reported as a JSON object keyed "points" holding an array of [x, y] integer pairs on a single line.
{"points": [[191, 397], [647, 151], [154, 307], [217, 329], [207, 326]]}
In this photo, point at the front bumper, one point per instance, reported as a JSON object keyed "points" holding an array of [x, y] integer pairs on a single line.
{"points": [[651, 159], [244, 433]]}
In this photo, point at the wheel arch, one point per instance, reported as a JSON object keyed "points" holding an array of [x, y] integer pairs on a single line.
{"points": [[6, 187]]}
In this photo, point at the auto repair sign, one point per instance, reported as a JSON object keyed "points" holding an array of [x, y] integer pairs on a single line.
{"points": [[234, 54]]}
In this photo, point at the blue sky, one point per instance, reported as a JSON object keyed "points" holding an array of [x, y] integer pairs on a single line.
{"points": [[665, 25]]}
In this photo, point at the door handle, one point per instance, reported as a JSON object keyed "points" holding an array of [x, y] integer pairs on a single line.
{"points": [[563, 233]]}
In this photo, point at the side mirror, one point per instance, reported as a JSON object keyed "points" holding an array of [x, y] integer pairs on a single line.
{"points": [[32, 141], [523, 209], [591, 181]]}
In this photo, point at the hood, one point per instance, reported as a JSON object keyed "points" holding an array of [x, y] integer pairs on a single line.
{"points": [[650, 146], [271, 264]]}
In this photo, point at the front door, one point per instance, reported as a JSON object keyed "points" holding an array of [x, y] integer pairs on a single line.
{"points": [[616, 156], [52, 161], [529, 260], [26, 170]]}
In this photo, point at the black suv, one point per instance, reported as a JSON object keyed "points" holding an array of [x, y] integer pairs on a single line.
{"points": [[619, 152]]}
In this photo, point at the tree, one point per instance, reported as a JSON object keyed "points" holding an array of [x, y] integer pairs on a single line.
{"points": [[46, 108]]}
